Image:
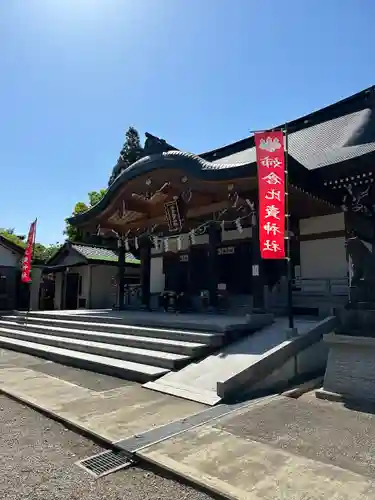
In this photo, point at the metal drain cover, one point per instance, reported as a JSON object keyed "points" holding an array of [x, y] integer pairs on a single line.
{"points": [[106, 462]]}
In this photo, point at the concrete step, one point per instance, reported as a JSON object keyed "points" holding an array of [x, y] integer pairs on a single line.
{"points": [[191, 349], [115, 367], [214, 323], [207, 338], [143, 356]]}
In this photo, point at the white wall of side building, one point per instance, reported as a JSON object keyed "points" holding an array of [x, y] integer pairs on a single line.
{"points": [[97, 277], [323, 257], [103, 290], [8, 258]]}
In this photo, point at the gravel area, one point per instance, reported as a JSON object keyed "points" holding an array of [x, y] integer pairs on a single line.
{"points": [[37, 462]]}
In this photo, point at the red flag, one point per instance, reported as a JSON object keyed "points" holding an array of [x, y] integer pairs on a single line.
{"points": [[271, 186], [26, 263]]}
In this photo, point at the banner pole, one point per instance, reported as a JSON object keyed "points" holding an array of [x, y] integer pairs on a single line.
{"points": [[31, 282], [288, 237]]}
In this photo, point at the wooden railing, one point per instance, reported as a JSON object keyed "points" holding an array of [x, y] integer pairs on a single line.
{"points": [[321, 286]]}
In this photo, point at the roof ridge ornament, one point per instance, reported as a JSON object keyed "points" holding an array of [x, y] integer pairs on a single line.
{"points": [[155, 145]]}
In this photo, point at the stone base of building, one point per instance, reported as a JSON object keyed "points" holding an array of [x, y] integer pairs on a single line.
{"points": [[350, 372]]}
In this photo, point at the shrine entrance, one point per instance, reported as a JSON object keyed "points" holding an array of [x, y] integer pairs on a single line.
{"points": [[176, 269]]}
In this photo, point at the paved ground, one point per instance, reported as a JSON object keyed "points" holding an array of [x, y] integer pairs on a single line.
{"points": [[107, 407], [37, 462], [302, 449], [279, 448], [313, 429]]}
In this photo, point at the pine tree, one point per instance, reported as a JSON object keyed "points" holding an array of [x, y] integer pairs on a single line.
{"points": [[129, 154]]}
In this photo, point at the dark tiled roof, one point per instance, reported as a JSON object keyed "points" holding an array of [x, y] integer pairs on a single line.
{"points": [[335, 134], [102, 254]]}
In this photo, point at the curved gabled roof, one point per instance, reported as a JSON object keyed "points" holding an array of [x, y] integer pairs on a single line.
{"points": [[332, 135], [193, 165]]}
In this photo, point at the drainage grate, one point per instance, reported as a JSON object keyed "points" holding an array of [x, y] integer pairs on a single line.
{"points": [[106, 463]]}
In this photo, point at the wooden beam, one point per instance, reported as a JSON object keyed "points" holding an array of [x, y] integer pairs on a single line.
{"points": [[147, 222]]}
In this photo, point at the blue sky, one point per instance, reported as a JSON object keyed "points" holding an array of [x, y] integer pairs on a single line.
{"points": [[74, 74]]}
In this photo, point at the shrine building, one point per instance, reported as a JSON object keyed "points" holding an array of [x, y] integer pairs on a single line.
{"points": [[191, 219]]}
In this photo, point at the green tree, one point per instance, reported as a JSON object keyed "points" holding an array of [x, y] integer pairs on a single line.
{"points": [[45, 252], [96, 196], [131, 152], [73, 233], [9, 234]]}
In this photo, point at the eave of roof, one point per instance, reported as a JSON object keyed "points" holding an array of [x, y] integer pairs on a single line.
{"points": [[11, 245], [93, 253], [193, 164]]}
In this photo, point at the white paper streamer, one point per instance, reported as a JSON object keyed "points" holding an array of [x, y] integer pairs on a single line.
{"points": [[222, 225], [192, 237], [239, 226], [155, 241], [179, 243]]}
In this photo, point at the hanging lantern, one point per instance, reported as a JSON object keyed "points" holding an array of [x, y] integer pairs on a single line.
{"points": [[136, 243], [166, 244], [127, 247]]}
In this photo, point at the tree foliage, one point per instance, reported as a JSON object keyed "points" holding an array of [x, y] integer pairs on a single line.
{"points": [[96, 196], [131, 152], [73, 233], [41, 252]]}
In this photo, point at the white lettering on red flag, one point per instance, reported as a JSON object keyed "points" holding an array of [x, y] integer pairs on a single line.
{"points": [[271, 186], [26, 263]]}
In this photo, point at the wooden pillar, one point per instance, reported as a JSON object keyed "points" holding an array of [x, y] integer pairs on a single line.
{"points": [[121, 275], [257, 268], [89, 294], [145, 256], [35, 288], [214, 240]]}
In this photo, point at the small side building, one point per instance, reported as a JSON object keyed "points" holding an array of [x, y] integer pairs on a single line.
{"points": [[12, 294], [84, 276]]}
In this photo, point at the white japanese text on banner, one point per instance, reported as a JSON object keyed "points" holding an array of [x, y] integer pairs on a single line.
{"points": [[271, 186]]}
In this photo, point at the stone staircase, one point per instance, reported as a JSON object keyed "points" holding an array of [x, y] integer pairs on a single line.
{"points": [[108, 344]]}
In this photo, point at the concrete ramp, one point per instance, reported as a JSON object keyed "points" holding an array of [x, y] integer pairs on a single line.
{"points": [[263, 359]]}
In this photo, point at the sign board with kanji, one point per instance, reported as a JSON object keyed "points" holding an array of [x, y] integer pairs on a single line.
{"points": [[173, 216], [271, 186]]}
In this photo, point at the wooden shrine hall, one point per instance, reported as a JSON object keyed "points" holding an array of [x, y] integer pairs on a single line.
{"points": [[191, 219]]}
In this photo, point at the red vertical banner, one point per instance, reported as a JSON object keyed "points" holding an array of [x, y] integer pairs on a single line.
{"points": [[270, 153], [26, 263]]}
